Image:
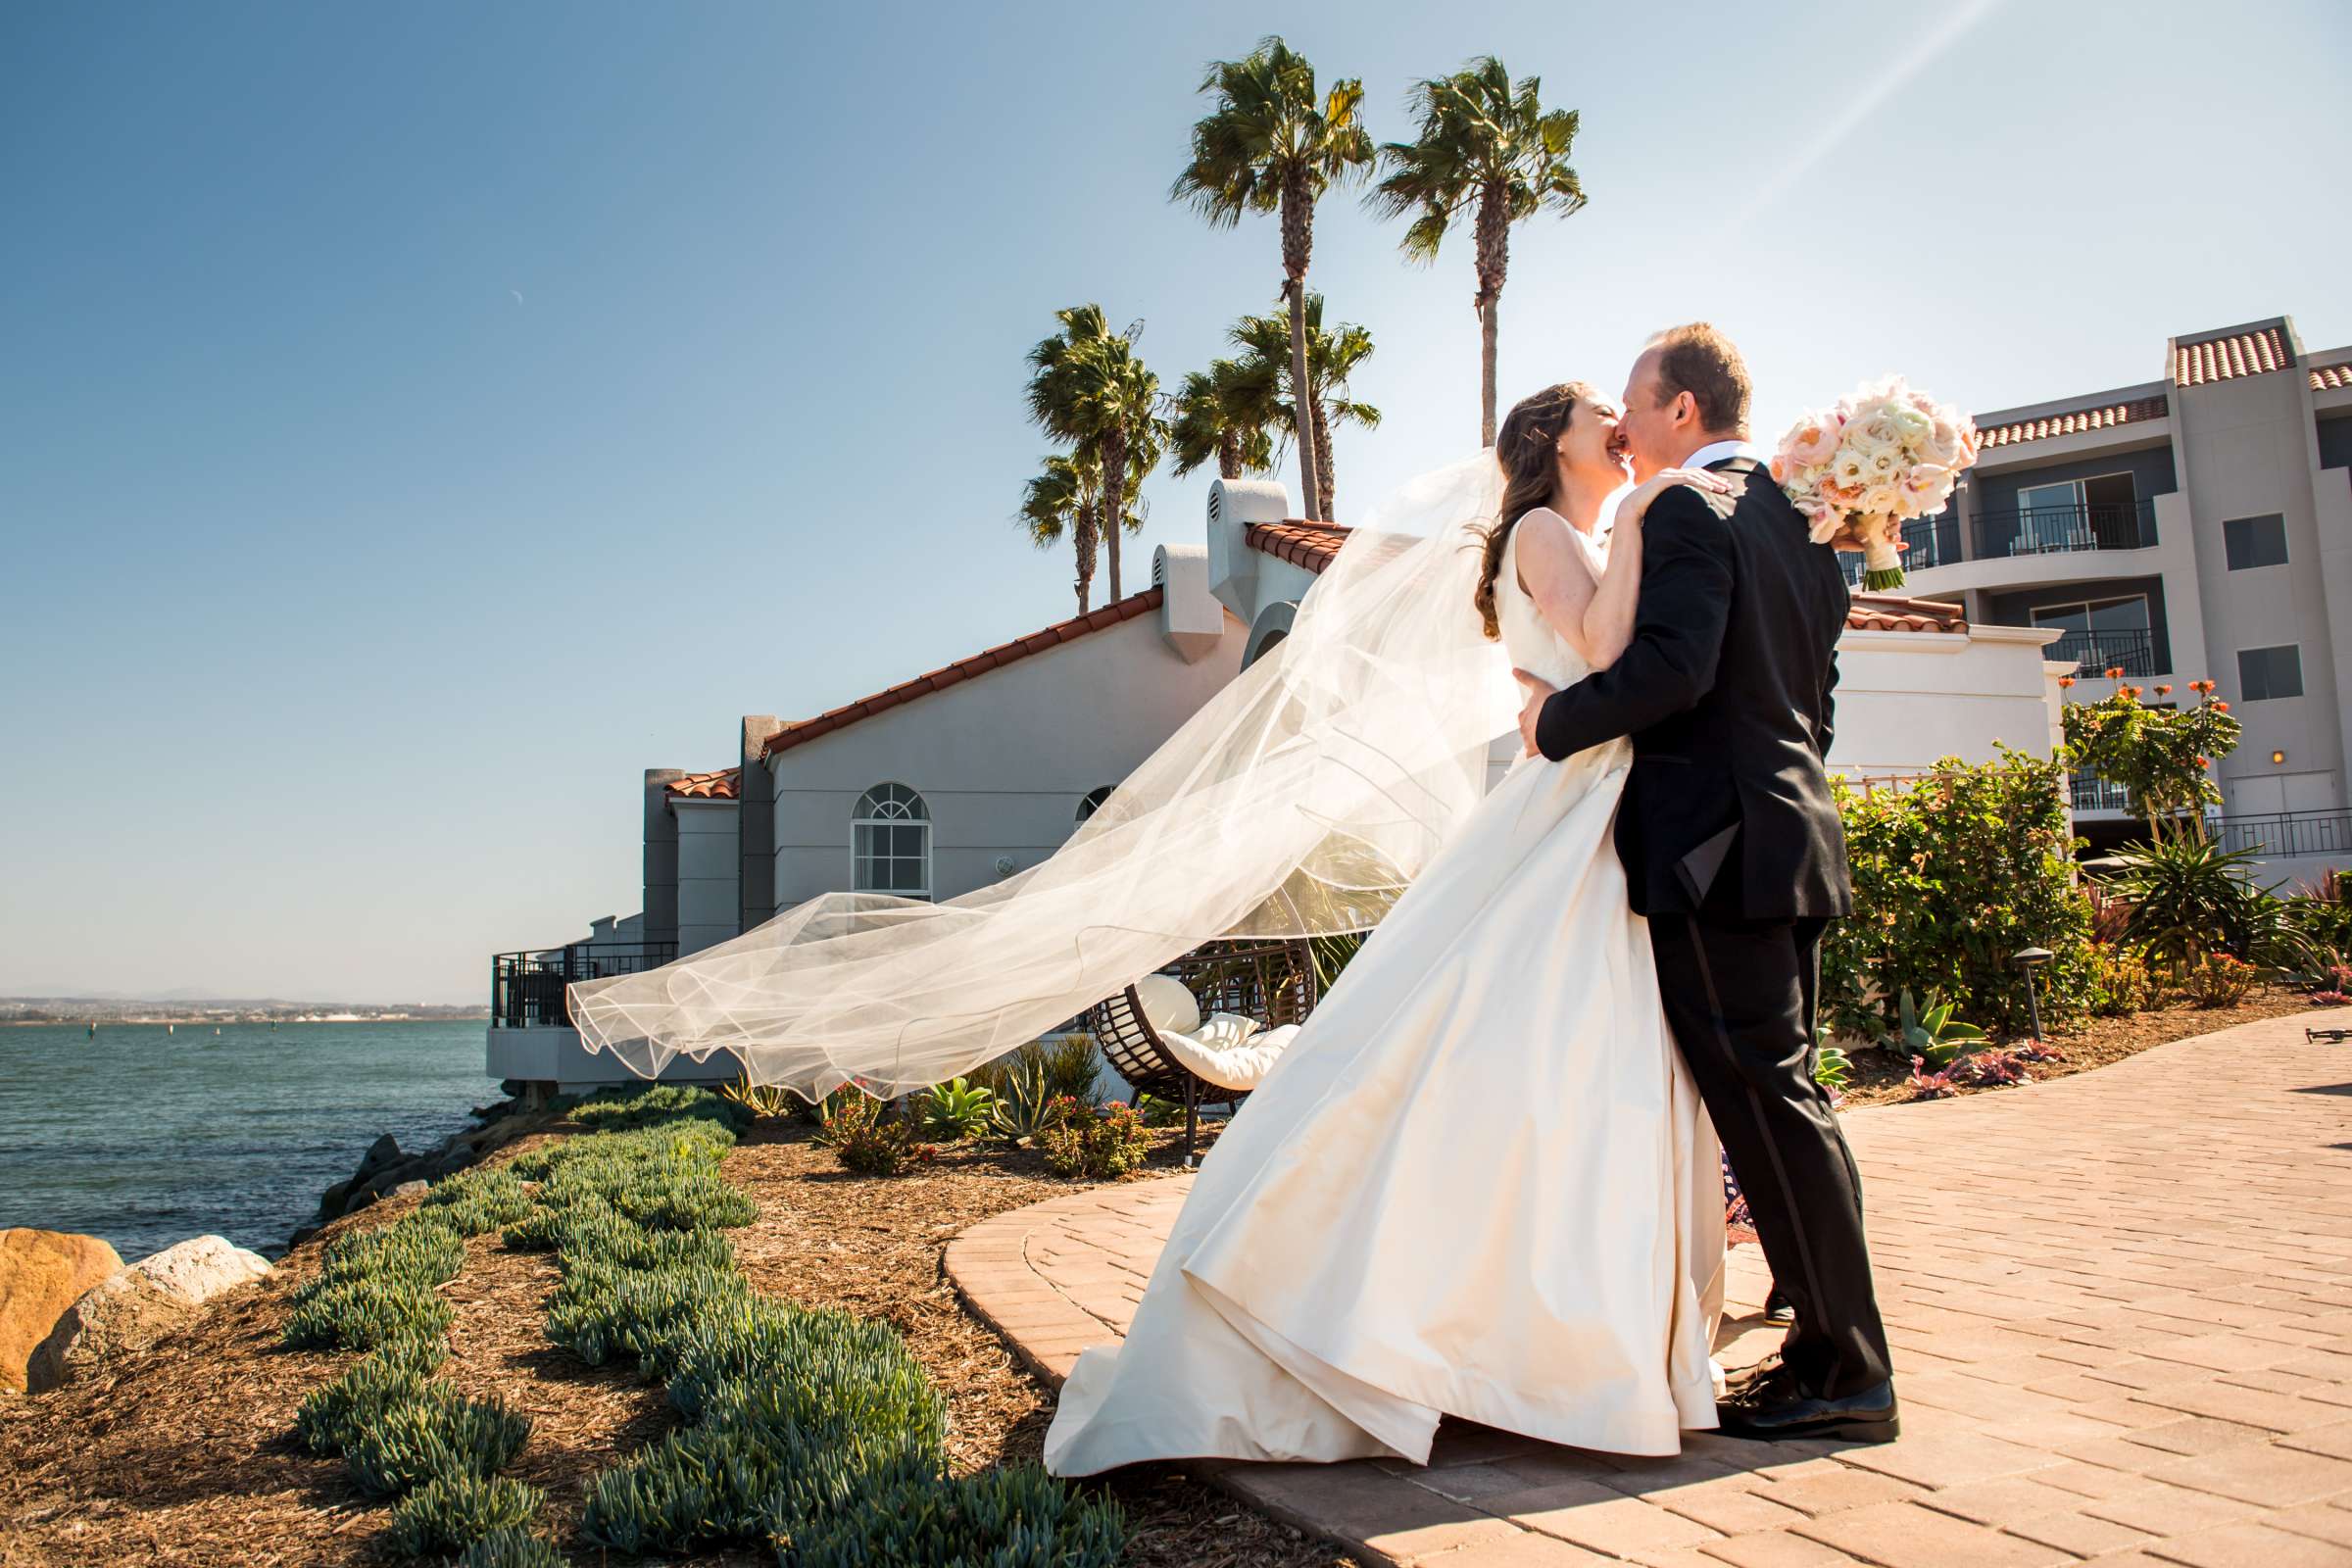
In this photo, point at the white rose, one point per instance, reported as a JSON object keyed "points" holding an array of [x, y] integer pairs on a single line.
{"points": [[1912, 425], [1882, 498]]}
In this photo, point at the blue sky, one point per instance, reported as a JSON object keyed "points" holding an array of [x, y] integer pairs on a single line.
{"points": [[420, 419]]}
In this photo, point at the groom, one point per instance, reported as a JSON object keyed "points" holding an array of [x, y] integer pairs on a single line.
{"points": [[1732, 849]]}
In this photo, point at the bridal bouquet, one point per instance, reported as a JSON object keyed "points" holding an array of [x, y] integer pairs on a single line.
{"points": [[1862, 469]]}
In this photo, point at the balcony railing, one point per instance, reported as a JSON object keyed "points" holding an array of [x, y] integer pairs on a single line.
{"points": [[2097, 651], [1927, 542], [527, 989], [2049, 530], [2095, 793], [2279, 834]]}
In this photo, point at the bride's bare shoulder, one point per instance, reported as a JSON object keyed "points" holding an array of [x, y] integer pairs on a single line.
{"points": [[1548, 549]]}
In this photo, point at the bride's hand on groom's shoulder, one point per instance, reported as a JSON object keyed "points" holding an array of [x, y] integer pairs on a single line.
{"points": [[1635, 506]]}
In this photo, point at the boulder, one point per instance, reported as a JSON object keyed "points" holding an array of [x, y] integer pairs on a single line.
{"points": [[385, 1150], [135, 1307], [411, 1189], [202, 1267], [42, 1273]]}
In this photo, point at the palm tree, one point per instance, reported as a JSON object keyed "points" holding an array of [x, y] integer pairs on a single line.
{"points": [[1065, 499], [1490, 148], [1272, 144], [1332, 357], [1221, 412], [1091, 389]]}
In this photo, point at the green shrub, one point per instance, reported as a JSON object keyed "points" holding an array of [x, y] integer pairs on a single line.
{"points": [[453, 1511], [360, 1314], [956, 1109], [418, 1249], [625, 1109], [1014, 1517], [2218, 980], [1952, 874], [601, 1313], [1073, 1067], [2190, 897], [866, 1143], [511, 1546], [440, 1433], [2119, 983], [1103, 1147], [332, 1416], [479, 1200]]}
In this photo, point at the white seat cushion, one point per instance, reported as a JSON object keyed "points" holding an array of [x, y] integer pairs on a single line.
{"points": [[1229, 1050], [1168, 1003]]}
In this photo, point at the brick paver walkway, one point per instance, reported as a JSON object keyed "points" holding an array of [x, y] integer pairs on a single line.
{"points": [[2122, 1311]]}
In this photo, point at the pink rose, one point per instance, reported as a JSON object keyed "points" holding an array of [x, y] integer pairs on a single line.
{"points": [[1813, 439]]}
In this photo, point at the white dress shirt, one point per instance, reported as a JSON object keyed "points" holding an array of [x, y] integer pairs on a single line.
{"points": [[1717, 451]]}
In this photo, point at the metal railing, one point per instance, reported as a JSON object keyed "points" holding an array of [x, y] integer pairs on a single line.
{"points": [[2279, 834], [527, 989], [2049, 530], [2097, 651], [2095, 793], [1927, 542]]}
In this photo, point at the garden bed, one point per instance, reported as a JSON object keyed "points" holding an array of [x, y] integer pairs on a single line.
{"points": [[1880, 1077], [184, 1455]]}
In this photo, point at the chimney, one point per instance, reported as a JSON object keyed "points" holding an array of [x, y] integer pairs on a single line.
{"points": [[661, 905], [756, 824]]}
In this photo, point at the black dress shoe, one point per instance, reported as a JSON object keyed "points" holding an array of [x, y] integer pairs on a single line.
{"points": [[1774, 1408], [1743, 1383], [1779, 1310]]}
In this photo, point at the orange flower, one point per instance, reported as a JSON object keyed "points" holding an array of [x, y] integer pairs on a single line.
{"points": [[2064, 681], [2204, 762], [2163, 691], [2127, 691], [2218, 707], [2115, 673]]}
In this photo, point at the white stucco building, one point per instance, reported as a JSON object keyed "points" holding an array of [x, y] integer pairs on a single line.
{"points": [[965, 774]]}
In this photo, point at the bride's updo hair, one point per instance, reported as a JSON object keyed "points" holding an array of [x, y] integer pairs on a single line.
{"points": [[1527, 450]]}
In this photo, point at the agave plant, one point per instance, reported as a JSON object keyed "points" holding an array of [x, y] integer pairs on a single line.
{"points": [[956, 1109], [761, 1099], [1022, 1108], [2190, 897], [1833, 1069], [1933, 1033]]}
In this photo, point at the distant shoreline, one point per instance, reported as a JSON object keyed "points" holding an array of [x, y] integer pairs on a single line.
{"points": [[219, 1022]]}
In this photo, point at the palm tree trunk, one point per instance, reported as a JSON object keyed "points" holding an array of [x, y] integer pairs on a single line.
{"points": [[1485, 372], [1310, 477], [1297, 243], [1084, 534], [1229, 454], [1114, 502], [1494, 260], [1323, 464]]}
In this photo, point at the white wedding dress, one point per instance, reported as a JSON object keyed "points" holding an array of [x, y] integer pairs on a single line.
{"points": [[1478, 1181]]}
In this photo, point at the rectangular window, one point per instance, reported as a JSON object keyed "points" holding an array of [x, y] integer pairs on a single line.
{"points": [[2264, 673], [2253, 542]]}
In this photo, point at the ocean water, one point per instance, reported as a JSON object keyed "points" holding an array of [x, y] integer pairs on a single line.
{"points": [[147, 1138]]}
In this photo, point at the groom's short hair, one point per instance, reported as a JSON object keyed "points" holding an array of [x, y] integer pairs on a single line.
{"points": [[1699, 359]]}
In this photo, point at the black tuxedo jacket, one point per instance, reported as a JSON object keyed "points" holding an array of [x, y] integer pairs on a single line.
{"points": [[1725, 690]]}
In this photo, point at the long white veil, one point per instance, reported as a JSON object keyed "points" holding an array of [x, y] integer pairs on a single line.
{"points": [[1299, 800]]}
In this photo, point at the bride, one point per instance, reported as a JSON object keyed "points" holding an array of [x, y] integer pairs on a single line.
{"points": [[1479, 1181]]}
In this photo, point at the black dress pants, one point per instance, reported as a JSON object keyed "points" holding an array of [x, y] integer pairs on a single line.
{"points": [[1739, 999]]}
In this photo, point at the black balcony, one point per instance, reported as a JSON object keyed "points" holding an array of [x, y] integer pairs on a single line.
{"points": [[1927, 542], [2098, 652], [2095, 793], [2052, 531], [2278, 834], [527, 989]]}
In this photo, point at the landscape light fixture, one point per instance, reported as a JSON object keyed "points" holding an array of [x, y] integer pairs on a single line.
{"points": [[2276, 757], [2030, 959]]}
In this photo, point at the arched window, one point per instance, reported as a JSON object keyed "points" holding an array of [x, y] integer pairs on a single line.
{"points": [[1093, 801], [890, 843]]}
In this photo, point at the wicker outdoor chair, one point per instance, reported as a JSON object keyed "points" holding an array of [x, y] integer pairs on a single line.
{"points": [[1273, 981]]}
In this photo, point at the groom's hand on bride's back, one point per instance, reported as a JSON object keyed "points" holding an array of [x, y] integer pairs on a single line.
{"points": [[1538, 692]]}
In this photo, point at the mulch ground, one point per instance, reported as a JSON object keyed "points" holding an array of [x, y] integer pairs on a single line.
{"points": [[183, 1455], [1880, 1077]]}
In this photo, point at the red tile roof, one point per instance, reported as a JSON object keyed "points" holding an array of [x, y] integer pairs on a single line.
{"points": [[2072, 422], [2331, 377], [722, 785], [2222, 359], [1895, 613], [1311, 545], [963, 669]]}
